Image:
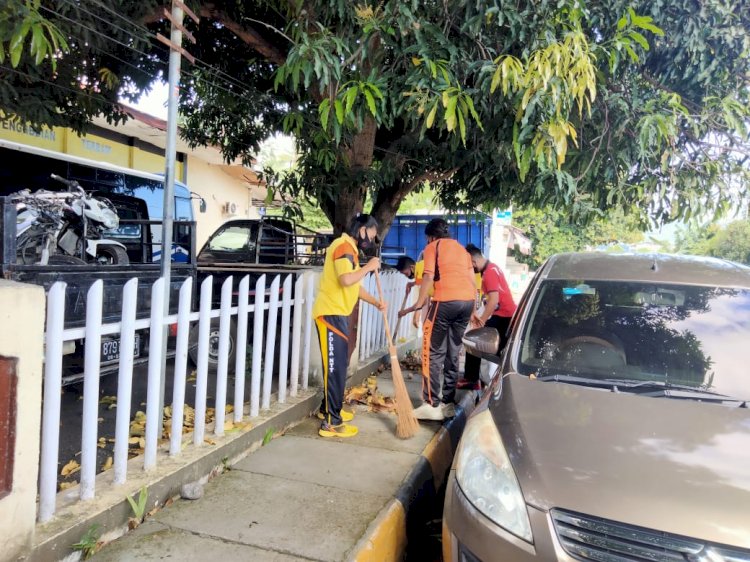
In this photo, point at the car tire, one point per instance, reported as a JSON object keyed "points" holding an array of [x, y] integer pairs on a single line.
{"points": [[110, 254], [213, 344]]}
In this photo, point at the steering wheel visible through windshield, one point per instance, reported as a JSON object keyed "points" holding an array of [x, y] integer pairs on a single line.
{"points": [[683, 335]]}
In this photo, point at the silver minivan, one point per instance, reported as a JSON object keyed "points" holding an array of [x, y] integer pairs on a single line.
{"points": [[617, 427]]}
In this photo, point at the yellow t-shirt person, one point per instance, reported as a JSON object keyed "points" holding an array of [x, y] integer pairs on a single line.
{"points": [[418, 273], [333, 298]]}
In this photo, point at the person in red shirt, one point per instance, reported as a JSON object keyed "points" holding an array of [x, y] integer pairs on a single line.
{"points": [[448, 269], [498, 310]]}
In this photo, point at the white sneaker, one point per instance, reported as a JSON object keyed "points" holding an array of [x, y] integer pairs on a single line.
{"points": [[449, 410], [428, 412]]}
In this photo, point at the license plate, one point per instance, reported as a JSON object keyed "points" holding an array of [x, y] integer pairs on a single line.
{"points": [[111, 349]]}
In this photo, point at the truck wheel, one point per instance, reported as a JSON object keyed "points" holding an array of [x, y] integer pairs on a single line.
{"points": [[109, 254], [213, 344]]}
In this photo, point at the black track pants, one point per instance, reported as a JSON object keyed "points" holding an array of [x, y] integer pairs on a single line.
{"points": [[334, 349], [445, 326]]}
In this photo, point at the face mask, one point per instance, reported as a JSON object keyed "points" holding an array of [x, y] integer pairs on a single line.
{"points": [[475, 269], [364, 242]]}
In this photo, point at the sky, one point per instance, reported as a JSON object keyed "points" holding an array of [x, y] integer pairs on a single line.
{"points": [[155, 102]]}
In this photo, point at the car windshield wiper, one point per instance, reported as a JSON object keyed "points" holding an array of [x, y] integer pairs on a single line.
{"points": [[674, 390], [648, 388]]}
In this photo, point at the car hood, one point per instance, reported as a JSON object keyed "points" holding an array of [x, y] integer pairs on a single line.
{"points": [[671, 465]]}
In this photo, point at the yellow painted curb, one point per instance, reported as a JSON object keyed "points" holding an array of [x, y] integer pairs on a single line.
{"points": [[388, 541]]}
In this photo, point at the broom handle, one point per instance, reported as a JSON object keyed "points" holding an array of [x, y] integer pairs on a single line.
{"points": [[385, 313], [398, 322]]}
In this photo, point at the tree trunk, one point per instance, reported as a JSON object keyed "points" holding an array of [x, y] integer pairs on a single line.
{"points": [[386, 206], [349, 202]]}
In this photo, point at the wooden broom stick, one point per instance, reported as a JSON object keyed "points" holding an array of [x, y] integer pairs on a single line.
{"points": [[398, 322], [407, 424]]}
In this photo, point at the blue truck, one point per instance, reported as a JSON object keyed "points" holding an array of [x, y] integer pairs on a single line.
{"points": [[406, 235]]}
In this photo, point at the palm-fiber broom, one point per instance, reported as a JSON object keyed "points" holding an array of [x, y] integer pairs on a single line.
{"points": [[407, 424]]}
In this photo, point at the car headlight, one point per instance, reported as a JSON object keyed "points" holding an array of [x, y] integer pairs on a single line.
{"points": [[485, 475]]}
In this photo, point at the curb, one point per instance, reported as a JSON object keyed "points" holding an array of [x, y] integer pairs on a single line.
{"points": [[385, 539]]}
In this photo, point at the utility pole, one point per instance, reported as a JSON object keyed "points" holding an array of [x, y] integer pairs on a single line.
{"points": [[176, 52]]}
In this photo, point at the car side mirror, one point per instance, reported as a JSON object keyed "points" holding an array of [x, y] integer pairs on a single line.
{"points": [[483, 342]]}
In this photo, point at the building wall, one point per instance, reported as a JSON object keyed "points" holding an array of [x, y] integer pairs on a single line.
{"points": [[22, 338], [218, 189], [210, 181], [109, 149]]}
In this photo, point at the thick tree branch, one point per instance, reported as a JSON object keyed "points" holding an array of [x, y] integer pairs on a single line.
{"points": [[431, 176], [249, 36]]}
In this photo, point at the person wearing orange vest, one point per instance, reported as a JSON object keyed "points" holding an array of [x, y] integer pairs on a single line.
{"points": [[340, 288], [447, 269]]}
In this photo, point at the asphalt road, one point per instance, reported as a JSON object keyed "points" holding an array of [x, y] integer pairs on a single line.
{"points": [[72, 410]]}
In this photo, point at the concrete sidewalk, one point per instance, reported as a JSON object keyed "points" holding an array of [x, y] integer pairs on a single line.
{"points": [[302, 497]]}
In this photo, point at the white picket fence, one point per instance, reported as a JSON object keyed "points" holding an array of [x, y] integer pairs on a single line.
{"points": [[295, 308]]}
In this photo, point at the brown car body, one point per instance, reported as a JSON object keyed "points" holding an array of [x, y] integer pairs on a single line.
{"points": [[609, 475]]}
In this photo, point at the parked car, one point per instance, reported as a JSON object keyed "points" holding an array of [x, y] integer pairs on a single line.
{"points": [[617, 427]]}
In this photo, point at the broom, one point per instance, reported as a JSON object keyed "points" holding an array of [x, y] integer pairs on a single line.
{"points": [[398, 322], [407, 424]]}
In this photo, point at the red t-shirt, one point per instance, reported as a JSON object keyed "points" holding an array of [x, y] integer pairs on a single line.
{"points": [[493, 281]]}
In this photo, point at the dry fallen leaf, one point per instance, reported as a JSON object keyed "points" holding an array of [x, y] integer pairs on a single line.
{"points": [[108, 400], [357, 394], [66, 485], [228, 425], [209, 441], [107, 464], [71, 468]]}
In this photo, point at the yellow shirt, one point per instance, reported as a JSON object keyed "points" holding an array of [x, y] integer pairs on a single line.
{"points": [[418, 273], [333, 298]]}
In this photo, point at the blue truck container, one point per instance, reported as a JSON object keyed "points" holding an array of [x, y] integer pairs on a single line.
{"points": [[406, 235]]}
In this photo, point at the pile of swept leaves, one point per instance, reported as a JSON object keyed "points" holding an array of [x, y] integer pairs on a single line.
{"points": [[367, 393], [412, 361]]}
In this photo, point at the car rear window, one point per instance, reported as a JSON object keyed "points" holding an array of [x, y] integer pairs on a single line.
{"points": [[681, 334]]}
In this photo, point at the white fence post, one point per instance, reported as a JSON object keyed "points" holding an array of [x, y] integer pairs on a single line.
{"points": [[92, 359], [220, 405], [273, 312], [309, 320], [51, 406], [243, 309], [260, 299], [154, 374], [125, 379], [201, 380], [286, 309], [180, 366], [299, 287]]}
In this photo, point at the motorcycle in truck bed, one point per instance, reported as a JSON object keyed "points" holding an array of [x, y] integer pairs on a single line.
{"points": [[134, 236]]}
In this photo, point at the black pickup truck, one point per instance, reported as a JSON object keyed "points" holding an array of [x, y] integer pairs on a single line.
{"points": [[237, 248], [253, 247]]}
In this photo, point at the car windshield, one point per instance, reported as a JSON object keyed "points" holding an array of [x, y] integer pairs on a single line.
{"points": [[231, 238], [684, 335]]}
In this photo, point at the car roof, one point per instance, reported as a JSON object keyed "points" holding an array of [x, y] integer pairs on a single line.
{"points": [[660, 268]]}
